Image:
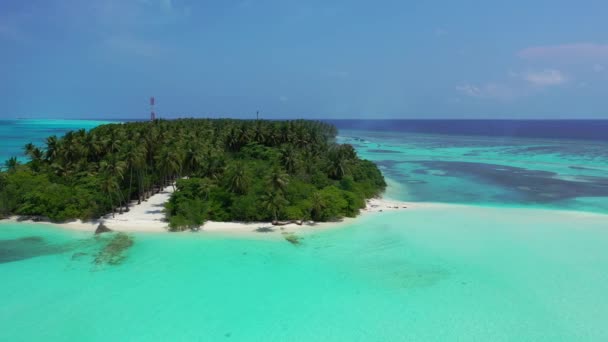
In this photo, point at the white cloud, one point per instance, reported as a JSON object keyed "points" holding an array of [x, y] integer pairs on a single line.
{"points": [[547, 77], [516, 85], [598, 68], [487, 91], [469, 90]]}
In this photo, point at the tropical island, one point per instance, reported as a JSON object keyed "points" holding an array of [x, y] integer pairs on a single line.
{"points": [[219, 170]]}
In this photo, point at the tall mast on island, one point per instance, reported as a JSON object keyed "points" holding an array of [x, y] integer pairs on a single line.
{"points": [[152, 113]]}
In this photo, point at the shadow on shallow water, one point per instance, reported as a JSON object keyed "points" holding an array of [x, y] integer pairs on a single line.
{"points": [[26, 248], [108, 249]]}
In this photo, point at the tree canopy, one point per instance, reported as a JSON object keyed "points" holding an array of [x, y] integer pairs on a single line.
{"points": [[223, 170]]}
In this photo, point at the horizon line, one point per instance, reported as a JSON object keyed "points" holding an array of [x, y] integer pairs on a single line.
{"points": [[317, 119]]}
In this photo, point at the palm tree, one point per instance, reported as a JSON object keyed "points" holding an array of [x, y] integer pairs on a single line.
{"points": [[238, 178], [203, 187], [214, 165], [95, 146], [51, 147], [318, 205], [35, 155], [278, 179], [259, 134], [175, 162], [340, 158], [114, 142], [11, 164], [310, 161], [192, 155], [29, 148], [233, 139], [162, 163], [245, 134], [169, 164], [274, 202], [134, 158], [5, 206], [109, 186], [274, 137], [139, 164], [114, 170], [289, 159]]}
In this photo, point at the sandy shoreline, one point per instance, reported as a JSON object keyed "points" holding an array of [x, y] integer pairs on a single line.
{"points": [[149, 217]]}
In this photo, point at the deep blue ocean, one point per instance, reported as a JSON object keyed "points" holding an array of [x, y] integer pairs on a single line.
{"points": [[558, 129]]}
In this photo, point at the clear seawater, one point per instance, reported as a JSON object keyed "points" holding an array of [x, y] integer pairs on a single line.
{"points": [[503, 263], [486, 170], [14, 134]]}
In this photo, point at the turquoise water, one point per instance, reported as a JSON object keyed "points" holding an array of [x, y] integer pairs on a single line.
{"points": [[516, 269], [434, 275], [14, 134], [498, 171]]}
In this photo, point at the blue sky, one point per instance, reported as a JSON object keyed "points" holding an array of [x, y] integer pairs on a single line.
{"points": [[311, 59]]}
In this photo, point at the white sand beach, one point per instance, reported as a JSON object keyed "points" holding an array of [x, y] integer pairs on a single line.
{"points": [[149, 217], [145, 217]]}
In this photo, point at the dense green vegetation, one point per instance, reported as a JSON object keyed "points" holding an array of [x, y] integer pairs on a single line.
{"points": [[223, 170]]}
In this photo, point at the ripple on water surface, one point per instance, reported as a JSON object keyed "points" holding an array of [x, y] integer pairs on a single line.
{"points": [[437, 273]]}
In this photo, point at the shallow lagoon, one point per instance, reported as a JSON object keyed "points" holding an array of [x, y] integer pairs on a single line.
{"points": [[545, 173], [455, 272]]}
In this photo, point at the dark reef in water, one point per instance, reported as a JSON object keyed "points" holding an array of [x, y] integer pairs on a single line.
{"points": [[532, 185], [389, 164], [292, 238], [383, 151], [582, 168], [26, 248], [113, 253], [107, 249]]}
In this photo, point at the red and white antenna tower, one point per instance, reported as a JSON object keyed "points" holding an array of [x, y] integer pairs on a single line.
{"points": [[152, 113]]}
